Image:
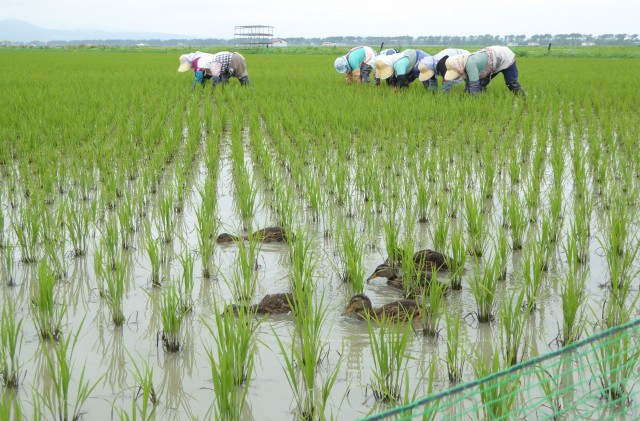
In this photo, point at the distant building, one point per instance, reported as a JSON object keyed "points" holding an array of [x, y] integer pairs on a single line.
{"points": [[512, 44], [329, 44], [588, 44], [279, 42], [533, 44]]}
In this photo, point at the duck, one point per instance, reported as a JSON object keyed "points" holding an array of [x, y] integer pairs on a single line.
{"points": [[428, 260], [226, 238], [279, 303], [397, 311], [395, 278], [264, 235]]}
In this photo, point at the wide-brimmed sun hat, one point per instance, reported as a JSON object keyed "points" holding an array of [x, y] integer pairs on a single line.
{"points": [[425, 72], [342, 65], [384, 67], [451, 73], [185, 64]]}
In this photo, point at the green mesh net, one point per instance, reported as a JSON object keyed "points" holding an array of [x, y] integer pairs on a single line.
{"points": [[595, 378]]}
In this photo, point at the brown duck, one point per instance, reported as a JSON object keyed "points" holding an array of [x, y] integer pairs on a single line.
{"points": [[280, 303], [397, 311], [264, 235], [395, 278], [428, 260]]}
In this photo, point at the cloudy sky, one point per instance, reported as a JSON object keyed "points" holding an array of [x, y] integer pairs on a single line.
{"points": [[322, 18]]}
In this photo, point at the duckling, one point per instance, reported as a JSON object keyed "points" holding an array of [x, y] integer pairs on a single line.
{"points": [[279, 303], [398, 311]]}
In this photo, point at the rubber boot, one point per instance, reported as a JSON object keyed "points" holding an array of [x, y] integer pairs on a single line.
{"points": [[516, 88]]}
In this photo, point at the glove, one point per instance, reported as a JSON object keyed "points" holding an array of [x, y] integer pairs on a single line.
{"points": [[244, 80], [403, 81], [349, 77], [484, 82], [199, 76], [475, 88], [446, 87], [376, 81], [433, 85], [357, 76]]}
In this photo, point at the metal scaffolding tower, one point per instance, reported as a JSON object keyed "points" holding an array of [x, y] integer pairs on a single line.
{"points": [[254, 34]]}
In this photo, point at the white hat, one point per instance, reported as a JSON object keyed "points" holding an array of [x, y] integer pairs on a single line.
{"points": [[384, 67], [185, 63], [425, 72]]}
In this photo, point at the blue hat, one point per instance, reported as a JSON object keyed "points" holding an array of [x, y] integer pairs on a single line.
{"points": [[342, 65]]}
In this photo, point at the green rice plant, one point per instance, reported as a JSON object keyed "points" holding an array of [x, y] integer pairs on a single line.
{"points": [[388, 342], [60, 366], [514, 166], [512, 323], [483, 287], [206, 226], [502, 252], [555, 213], [246, 196], [185, 288], [153, 252], [245, 275], [314, 195], [55, 258], [432, 298], [114, 294], [47, 315], [573, 298], [498, 395], [164, 222], [11, 337], [423, 200], [391, 240], [517, 222], [458, 257], [10, 409], [532, 270], [27, 231], [9, 265], [455, 354], [350, 249], [180, 183], [171, 316], [441, 225], [143, 392], [411, 286], [551, 386], [77, 222], [532, 195], [126, 221], [475, 224], [235, 339]]}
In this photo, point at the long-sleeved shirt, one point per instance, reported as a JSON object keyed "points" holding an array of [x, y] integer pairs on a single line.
{"points": [[404, 62], [488, 61], [359, 55]]}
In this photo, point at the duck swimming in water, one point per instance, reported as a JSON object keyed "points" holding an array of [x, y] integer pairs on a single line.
{"points": [[280, 303], [398, 311]]}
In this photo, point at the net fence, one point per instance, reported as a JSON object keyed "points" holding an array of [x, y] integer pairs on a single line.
{"points": [[595, 378]]}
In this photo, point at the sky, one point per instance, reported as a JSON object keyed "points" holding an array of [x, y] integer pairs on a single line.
{"points": [[324, 18]]}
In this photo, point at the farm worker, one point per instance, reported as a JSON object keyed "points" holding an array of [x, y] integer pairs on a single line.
{"points": [[385, 52], [480, 67], [356, 64], [431, 67], [219, 67], [402, 66]]}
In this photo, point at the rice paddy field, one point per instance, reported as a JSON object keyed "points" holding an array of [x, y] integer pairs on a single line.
{"points": [[116, 180]]}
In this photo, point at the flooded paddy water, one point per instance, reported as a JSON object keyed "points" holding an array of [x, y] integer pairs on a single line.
{"points": [[288, 152]]}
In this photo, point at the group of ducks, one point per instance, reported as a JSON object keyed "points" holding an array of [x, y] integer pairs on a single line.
{"points": [[425, 261]]}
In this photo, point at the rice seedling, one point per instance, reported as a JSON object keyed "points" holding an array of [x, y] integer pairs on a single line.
{"points": [[532, 270], [351, 255], [126, 221], [458, 257], [77, 222], [483, 287], [441, 225], [55, 259], [388, 342], [171, 315], [455, 354], [185, 288], [164, 222], [245, 274], [46, 313], [11, 337], [512, 324], [475, 224], [246, 196], [60, 366], [153, 252], [114, 293], [498, 395], [9, 272], [555, 213], [517, 222], [502, 251], [27, 232], [143, 392], [391, 240], [573, 299], [432, 298], [551, 386]]}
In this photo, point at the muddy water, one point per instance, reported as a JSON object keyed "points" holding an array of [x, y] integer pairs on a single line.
{"points": [[183, 380]]}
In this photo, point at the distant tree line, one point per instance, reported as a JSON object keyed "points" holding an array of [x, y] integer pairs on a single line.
{"points": [[404, 41]]}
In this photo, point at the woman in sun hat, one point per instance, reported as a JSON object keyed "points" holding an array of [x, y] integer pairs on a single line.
{"points": [[219, 67], [402, 66], [431, 67], [480, 67], [356, 64], [386, 52]]}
